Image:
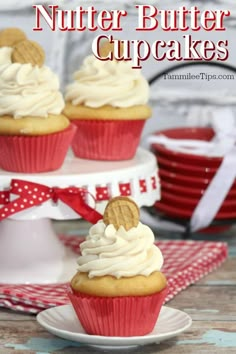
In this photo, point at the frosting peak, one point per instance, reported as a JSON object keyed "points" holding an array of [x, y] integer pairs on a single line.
{"points": [[120, 253], [113, 83], [27, 90]]}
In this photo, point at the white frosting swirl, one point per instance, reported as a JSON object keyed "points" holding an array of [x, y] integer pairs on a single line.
{"points": [[112, 83], [5, 55], [120, 253], [27, 90]]}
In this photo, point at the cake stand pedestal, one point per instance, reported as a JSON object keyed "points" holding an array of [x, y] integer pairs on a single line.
{"points": [[30, 251]]}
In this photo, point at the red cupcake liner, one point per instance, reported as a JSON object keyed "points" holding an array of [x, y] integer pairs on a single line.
{"points": [[107, 139], [122, 316], [33, 154]]}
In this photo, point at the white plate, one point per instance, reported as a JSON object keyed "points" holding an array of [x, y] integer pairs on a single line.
{"points": [[62, 322]]}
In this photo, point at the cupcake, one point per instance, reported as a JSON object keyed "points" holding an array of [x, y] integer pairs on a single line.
{"points": [[108, 102], [119, 289], [34, 134]]}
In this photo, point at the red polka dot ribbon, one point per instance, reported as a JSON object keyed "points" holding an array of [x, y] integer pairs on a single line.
{"points": [[4, 197], [32, 194]]}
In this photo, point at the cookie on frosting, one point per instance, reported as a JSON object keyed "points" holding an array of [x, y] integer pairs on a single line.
{"points": [[107, 47], [121, 211], [28, 52], [11, 36]]}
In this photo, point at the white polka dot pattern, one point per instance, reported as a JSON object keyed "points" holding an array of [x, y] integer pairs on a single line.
{"points": [[4, 197], [33, 194], [185, 263]]}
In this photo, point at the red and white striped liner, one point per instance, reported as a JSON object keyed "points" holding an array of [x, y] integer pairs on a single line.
{"points": [[185, 263]]}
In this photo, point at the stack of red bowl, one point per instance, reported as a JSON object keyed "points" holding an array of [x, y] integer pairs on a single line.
{"points": [[184, 177]]}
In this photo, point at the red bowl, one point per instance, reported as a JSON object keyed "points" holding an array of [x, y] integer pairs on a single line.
{"points": [[181, 180], [186, 181], [203, 134], [185, 215], [185, 169], [190, 192], [178, 213], [189, 204]]}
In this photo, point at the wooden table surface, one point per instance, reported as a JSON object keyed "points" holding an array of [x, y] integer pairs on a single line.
{"points": [[211, 303]]}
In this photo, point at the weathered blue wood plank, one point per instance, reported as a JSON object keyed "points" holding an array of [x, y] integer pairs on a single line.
{"points": [[216, 337], [43, 345]]}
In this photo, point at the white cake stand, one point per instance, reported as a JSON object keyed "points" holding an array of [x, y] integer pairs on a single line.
{"points": [[30, 251]]}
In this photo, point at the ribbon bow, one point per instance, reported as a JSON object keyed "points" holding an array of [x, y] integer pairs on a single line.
{"points": [[33, 194]]}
